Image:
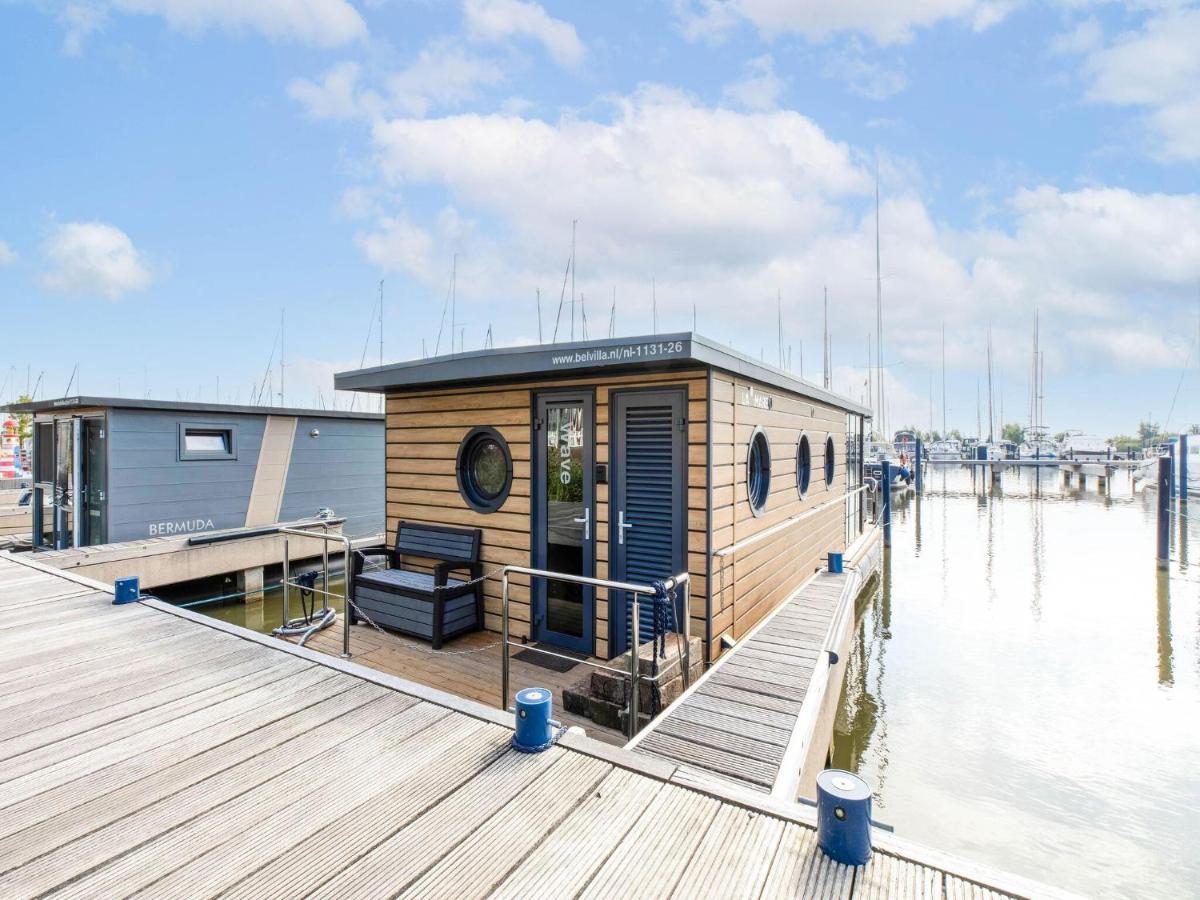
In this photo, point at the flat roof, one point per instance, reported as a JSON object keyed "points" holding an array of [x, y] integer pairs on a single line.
{"points": [[81, 402], [644, 353]]}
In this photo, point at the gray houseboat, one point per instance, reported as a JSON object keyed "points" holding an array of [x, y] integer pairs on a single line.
{"points": [[114, 470]]}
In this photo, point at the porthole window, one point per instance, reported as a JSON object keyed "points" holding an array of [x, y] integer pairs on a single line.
{"points": [[829, 461], [758, 471], [484, 469], [803, 464]]}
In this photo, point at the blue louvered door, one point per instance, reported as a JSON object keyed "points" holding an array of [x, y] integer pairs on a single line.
{"points": [[647, 515]]}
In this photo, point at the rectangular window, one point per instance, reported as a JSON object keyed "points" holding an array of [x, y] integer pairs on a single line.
{"points": [[43, 452], [207, 442]]}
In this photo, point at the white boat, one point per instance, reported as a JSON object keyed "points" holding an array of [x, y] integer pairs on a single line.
{"points": [[1085, 447], [945, 451], [1146, 474]]}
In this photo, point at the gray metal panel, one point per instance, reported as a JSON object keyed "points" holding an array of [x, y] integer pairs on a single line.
{"points": [[342, 469], [152, 492], [644, 353], [67, 404]]}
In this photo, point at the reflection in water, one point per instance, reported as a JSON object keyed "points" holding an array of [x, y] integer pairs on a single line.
{"points": [[1013, 696], [1165, 675]]}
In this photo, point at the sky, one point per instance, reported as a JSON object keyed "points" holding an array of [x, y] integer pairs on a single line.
{"points": [[177, 177]]}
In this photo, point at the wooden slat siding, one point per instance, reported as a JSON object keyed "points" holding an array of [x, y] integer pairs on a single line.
{"points": [[424, 430], [760, 577]]}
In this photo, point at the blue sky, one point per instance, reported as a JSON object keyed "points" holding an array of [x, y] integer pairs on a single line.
{"points": [[176, 172]]}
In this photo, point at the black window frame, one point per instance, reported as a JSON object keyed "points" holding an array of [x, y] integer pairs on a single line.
{"points": [[830, 461], [803, 468], [227, 428], [468, 487], [758, 479]]}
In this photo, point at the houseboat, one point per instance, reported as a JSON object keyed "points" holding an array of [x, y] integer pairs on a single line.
{"points": [[113, 470], [632, 459]]}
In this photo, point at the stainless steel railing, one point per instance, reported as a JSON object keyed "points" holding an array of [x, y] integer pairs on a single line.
{"points": [[682, 580], [326, 538], [788, 523]]}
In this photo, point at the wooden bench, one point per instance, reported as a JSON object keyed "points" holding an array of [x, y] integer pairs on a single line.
{"points": [[436, 607]]}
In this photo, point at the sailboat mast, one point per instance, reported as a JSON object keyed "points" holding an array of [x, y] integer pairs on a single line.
{"points": [[991, 414], [826, 368], [944, 432], [879, 312]]}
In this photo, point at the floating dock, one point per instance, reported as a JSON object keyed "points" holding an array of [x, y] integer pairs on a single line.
{"points": [[148, 749], [762, 715]]}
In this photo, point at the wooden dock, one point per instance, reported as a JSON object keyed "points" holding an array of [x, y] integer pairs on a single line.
{"points": [[148, 750], [752, 718]]}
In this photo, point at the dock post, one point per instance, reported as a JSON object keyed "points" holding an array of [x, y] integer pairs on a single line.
{"points": [[885, 487], [1183, 467], [1164, 511], [919, 466], [1171, 477], [250, 583], [635, 654]]}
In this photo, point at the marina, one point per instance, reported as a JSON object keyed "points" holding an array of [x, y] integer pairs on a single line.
{"points": [[512, 448]]}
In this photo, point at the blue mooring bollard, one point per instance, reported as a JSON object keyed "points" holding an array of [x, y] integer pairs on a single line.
{"points": [[126, 590], [1163, 553], [885, 486], [843, 817], [919, 466], [1183, 466], [835, 563], [534, 728]]}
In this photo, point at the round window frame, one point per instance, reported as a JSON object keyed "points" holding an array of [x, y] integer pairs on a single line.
{"points": [[466, 488], [830, 461], [803, 474], [765, 452]]}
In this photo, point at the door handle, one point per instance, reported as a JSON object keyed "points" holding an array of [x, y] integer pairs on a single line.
{"points": [[586, 522], [621, 526]]}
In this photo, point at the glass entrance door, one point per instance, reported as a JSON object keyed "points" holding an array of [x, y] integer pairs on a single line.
{"points": [[64, 482], [563, 520], [95, 482]]}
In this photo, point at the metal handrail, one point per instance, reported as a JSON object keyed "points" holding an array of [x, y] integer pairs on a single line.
{"points": [[325, 538], [788, 523], [683, 580]]}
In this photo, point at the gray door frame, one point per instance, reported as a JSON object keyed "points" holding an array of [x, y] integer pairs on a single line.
{"points": [[538, 525]]}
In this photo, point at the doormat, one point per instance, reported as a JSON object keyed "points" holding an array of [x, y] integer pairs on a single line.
{"points": [[553, 663]]}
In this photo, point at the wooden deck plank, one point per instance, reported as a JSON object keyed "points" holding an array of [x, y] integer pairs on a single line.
{"points": [[733, 858], [800, 869], [563, 864], [395, 853], [724, 722], [127, 828], [149, 862], [730, 764], [485, 857], [446, 754], [76, 808], [44, 746], [718, 739], [65, 761], [654, 853]]}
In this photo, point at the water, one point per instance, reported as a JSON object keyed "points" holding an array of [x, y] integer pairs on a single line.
{"points": [[1024, 688], [204, 597]]}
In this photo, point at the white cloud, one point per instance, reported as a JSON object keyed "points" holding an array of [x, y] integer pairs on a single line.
{"points": [[80, 20], [322, 23], [8, 255], [335, 96], [758, 202], [1155, 68], [444, 75], [739, 184], [884, 21], [498, 20], [397, 245], [759, 88], [94, 258], [862, 76]]}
